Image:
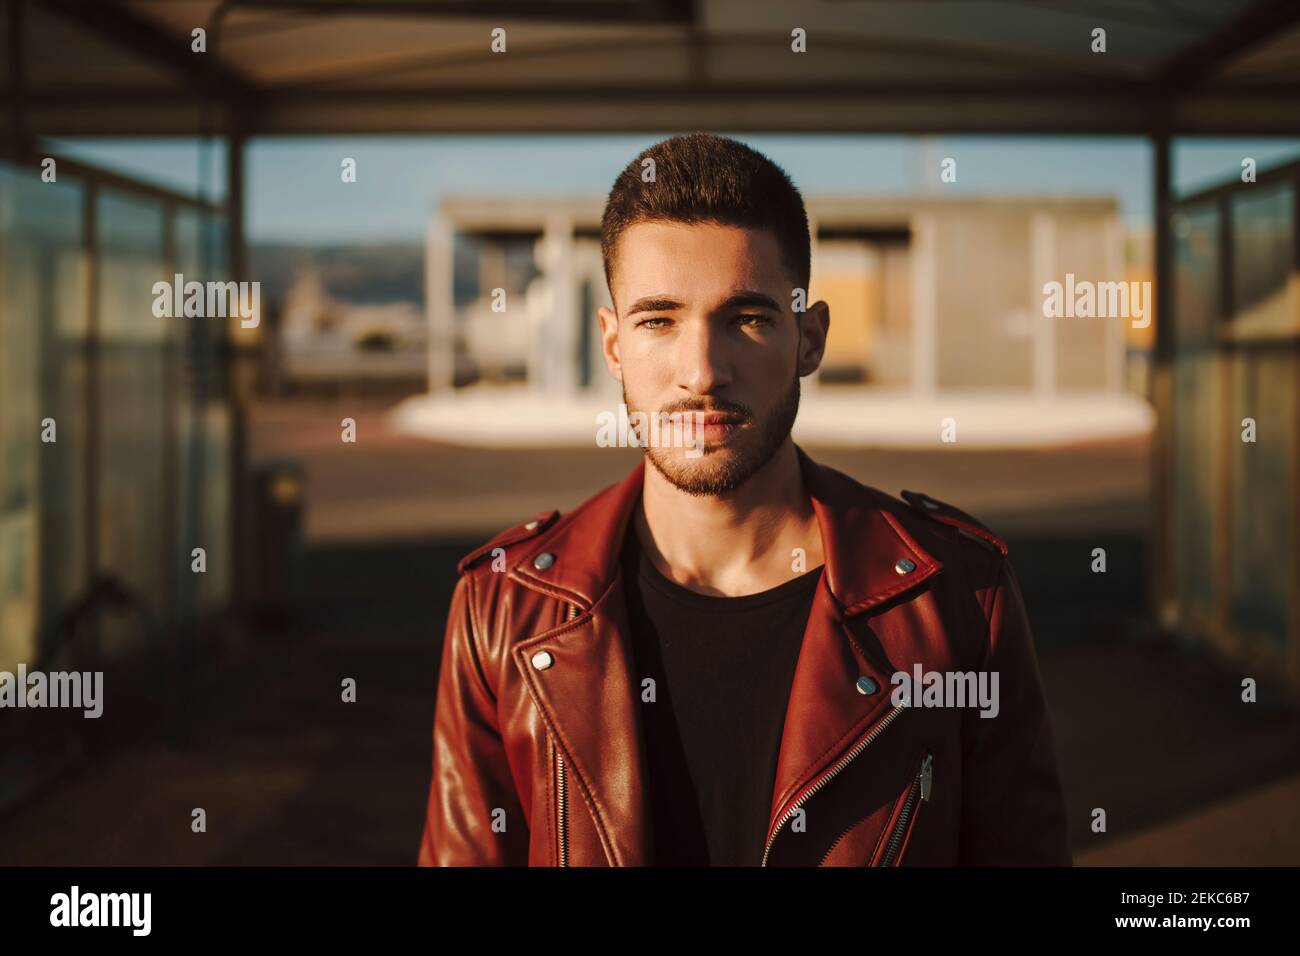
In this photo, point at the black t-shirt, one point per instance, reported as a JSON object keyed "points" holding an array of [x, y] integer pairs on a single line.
{"points": [[722, 667]]}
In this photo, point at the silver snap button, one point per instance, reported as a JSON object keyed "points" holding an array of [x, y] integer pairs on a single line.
{"points": [[929, 505], [542, 660], [904, 566], [531, 525], [543, 561], [866, 685]]}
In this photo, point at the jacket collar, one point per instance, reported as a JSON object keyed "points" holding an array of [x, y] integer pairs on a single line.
{"points": [[589, 696], [588, 546]]}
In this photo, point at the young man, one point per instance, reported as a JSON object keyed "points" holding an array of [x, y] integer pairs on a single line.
{"points": [[735, 656]]}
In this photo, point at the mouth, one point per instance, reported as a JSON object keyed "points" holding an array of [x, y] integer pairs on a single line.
{"points": [[712, 426]]}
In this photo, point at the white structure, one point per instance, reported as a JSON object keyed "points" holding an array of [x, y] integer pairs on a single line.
{"points": [[937, 307]]}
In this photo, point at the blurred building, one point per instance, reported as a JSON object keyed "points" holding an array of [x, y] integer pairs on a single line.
{"points": [[324, 342], [927, 294]]}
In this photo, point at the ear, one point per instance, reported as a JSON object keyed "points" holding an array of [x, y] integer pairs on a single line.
{"points": [[813, 326], [609, 341]]}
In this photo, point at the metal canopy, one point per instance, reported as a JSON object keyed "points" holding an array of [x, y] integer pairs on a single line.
{"points": [[408, 66]]}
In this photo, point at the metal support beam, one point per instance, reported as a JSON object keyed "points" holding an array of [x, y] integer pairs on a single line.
{"points": [[17, 79], [584, 11], [145, 39], [1198, 64], [1162, 391], [237, 269], [91, 273]]}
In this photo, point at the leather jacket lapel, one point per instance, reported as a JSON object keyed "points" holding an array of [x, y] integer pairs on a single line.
{"points": [[588, 698], [840, 690], [588, 695]]}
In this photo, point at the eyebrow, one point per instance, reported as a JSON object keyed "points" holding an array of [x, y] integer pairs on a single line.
{"points": [[662, 303]]}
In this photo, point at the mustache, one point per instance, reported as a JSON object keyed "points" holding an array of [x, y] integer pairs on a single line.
{"points": [[718, 406]]}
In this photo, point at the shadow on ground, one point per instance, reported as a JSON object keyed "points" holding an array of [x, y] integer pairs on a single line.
{"points": [[287, 773]]}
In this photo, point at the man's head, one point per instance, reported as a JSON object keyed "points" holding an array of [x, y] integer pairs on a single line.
{"points": [[706, 250]]}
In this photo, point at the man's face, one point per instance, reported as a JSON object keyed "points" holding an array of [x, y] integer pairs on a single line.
{"points": [[705, 323]]}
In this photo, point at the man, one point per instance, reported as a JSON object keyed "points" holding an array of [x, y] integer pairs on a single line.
{"points": [[735, 656]]}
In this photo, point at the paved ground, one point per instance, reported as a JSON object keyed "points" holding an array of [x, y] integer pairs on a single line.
{"points": [[389, 485], [257, 734]]}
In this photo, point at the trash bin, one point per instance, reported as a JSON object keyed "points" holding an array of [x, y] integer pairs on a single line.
{"points": [[279, 492]]}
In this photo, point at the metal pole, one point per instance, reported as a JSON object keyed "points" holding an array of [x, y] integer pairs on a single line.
{"points": [[1162, 384]]}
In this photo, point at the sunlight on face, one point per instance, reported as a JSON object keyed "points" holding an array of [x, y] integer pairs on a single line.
{"points": [[705, 324]]}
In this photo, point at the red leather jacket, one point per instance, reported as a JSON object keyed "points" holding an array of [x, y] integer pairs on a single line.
{"points": [[536, 742]]}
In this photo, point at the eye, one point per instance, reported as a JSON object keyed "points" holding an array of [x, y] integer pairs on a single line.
{"points": [[649, 323], [753, 319]]}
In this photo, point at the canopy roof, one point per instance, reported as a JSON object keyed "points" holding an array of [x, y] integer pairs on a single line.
{"points": [[390, 66]]}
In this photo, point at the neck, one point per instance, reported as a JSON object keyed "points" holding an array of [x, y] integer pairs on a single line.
{"points": [[740, 542]]}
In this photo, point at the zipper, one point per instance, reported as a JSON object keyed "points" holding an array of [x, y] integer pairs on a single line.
{"points": [[561, 808], [825, 778], [562, 785], [919, 790]]}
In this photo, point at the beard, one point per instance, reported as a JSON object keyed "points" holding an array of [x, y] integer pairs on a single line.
{"points": [[724, 468]]}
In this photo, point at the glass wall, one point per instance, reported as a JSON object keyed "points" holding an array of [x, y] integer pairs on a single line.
{"points": [[42, 405], [132, 407], [1265, 373], [156, 482], [1263, 255], [1234, 463], [1196, 403], [202, 423], [1263, 511]]}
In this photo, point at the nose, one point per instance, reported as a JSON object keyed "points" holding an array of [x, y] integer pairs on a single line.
{"points": [[701, 361]]}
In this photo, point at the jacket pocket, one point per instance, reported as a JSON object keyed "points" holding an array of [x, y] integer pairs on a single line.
{"points": [[898, 833]]}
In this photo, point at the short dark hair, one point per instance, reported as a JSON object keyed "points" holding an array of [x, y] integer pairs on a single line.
{"points": [[700, 177]]}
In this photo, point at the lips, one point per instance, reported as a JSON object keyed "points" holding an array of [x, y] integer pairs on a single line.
{"points": [[708, 418]]}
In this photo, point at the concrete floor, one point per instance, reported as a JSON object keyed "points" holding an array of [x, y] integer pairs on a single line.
{"points": [[253, 729]]}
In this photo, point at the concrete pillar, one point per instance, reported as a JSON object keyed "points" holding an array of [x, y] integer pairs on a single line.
{"points": [[555, 335], [925, 317], [1042, 269], [1115, 328], [439, 304]]}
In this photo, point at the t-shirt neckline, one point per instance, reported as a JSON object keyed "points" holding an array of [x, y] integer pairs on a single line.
{"points": [[651, 576]]}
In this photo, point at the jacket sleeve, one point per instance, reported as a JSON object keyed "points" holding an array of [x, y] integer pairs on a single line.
{"points": [[1013, 807], [471, 779]]}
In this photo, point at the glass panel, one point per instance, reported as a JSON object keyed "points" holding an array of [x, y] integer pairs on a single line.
{"points": [[1195, 407], [1196, 276], [1263, 251], [42, 376], [132, 408], [215, 516], [203, 483], [1264, 510]]}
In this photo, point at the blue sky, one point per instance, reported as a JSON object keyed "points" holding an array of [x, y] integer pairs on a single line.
{"points": [[295, 192]]}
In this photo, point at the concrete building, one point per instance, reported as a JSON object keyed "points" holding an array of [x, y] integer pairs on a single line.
{"points": [[928, 295]]}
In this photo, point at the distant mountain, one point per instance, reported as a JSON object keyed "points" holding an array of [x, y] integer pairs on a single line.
{"points": [[365, 274]]}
